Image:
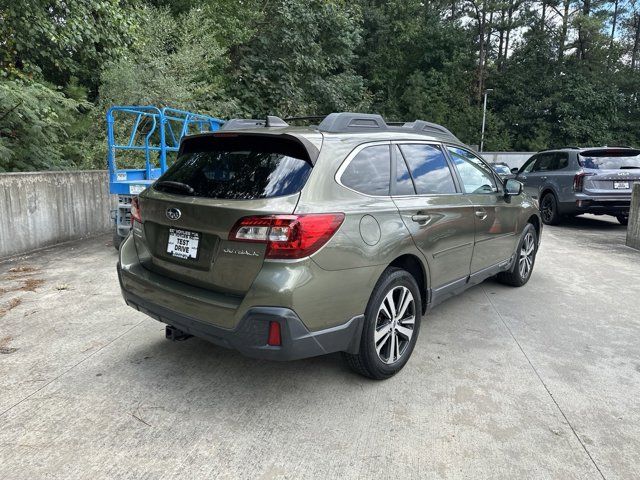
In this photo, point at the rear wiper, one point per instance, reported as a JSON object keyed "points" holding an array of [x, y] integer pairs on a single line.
{"points": [[175, 186], [627, 168]]}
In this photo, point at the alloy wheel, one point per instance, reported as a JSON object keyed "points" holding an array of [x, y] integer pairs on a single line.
{"points": [[395, 324], [525, 262], [547, 208]]}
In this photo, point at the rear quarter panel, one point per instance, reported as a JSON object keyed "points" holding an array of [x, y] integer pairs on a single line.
{"points": [[370, 238]]}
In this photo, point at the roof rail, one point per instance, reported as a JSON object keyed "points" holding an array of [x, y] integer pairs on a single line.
{"points": [[304, 118], [342, 122], [559, 148], [273, 121], [352, 122], [427, 127], [249, 123], [242, 124]]}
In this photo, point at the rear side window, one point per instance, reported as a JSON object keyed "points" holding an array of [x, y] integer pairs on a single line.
{"points": [[240, 168], [369, 171], [429, 169]]}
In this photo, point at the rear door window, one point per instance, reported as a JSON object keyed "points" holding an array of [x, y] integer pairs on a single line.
{"points": [[562, 160], [369, 171], [429, 169], [238, 168]]}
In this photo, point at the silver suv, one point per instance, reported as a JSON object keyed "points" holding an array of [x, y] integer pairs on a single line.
{"points": [[571, 181]]}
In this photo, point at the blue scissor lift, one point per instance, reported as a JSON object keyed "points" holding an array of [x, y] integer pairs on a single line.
{"points": [[152, 132]]}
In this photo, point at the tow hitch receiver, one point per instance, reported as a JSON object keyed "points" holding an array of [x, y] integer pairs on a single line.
{"points": [[176, 335]]}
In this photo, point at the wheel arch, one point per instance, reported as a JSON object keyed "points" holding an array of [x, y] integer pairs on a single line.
{"points": [[416, 268], [547, 189], [535, 221]]}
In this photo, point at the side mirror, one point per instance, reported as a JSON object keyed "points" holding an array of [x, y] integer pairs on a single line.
{"points": [[515, 171], [512, 187]]}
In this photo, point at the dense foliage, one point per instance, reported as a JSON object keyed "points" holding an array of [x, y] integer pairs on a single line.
{"points": [[562, 72]]}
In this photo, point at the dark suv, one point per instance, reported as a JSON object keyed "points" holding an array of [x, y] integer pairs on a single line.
{"points": [[288, 242], [571, 181]]}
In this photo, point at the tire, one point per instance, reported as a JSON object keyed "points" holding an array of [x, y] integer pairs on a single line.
{"points": [[402, 332], [117, 240], [527, 249], [623, 219], [549, 209]]}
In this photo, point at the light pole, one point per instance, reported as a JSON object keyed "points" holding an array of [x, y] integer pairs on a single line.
{"points": [[484, 116]]}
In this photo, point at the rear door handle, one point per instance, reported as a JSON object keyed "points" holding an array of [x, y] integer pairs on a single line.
{"points": [[481, 214], [420, 218]]}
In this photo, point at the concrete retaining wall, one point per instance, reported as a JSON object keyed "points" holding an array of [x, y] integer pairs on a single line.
{"points": [[633, 229], [513, 159], [44, 208]]}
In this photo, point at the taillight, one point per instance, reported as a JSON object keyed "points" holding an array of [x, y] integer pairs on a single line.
{"points": [[288, 236], [578, 180], [135, 211]]}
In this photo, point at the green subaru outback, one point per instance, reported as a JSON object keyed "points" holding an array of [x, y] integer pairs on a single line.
{"points": [[289, 242]]}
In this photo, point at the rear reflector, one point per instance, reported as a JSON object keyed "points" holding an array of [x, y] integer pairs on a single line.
{"points": [[288, 236], [275, 340]]}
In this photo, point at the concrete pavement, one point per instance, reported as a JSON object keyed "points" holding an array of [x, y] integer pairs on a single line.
{"points": [[537, 382]]}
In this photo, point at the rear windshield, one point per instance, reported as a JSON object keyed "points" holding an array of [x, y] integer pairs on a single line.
{"points": [[238, 167], [610, 160]]}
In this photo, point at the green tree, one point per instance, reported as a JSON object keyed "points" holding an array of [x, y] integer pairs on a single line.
{"points": [[59, 40], [34, 122], [298, 60]]}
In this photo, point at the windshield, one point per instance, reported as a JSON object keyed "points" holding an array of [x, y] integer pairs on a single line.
{"points": [[607, 160], [241, 169], [501, 169]]}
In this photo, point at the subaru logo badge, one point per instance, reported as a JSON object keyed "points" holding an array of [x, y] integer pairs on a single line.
{"points": [[173, 213]]}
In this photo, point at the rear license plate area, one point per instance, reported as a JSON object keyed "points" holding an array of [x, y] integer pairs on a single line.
{"points": [[621, 185], [183, 243]]}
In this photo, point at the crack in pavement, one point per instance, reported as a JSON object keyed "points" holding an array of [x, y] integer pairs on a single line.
{"points": [[506, 325], [71, 368]]}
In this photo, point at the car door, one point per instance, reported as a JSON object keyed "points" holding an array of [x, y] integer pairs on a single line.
{"points": [[434, 210], [540, 173], [525, 171], [495, 215]]}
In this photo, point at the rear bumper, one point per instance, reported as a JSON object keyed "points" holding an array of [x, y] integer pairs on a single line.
{"points": [[249, 337], [597, 205]]}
